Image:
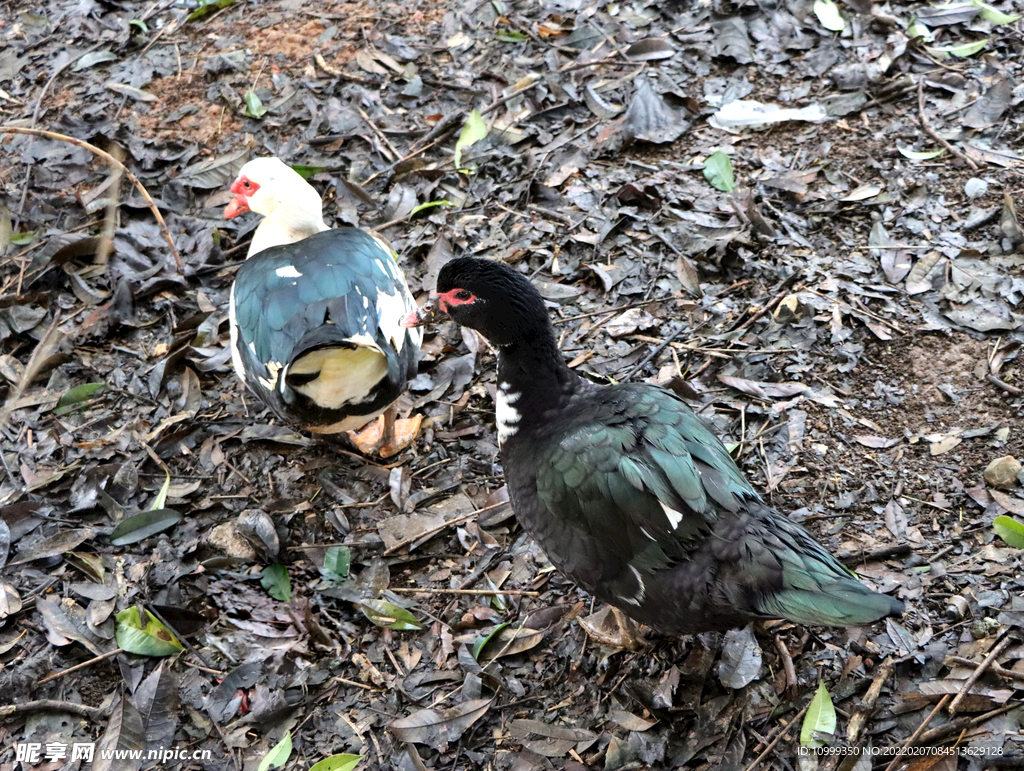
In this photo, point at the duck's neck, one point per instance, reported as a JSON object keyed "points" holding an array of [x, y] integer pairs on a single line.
{"points": [[532, 377], [285, 227]]}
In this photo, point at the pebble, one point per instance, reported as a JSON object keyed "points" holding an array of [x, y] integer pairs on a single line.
{"points": [[225, 538], [1002, 472]]}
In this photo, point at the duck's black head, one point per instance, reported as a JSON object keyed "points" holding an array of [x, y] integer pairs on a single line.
{"points": [[490, 297]]}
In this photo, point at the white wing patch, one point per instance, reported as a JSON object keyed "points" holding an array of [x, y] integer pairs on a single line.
{"points": [[507, 415], [236, 355], [674, 517], [273, 367], [641, 591], [288, 271], [364, 340], [391, 309]]}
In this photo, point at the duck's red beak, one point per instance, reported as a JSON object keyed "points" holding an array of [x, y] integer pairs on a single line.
{"points": [[427, 314], [238, 205]]}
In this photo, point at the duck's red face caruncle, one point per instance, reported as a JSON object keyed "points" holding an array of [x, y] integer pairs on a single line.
{"points": [[448, 303], [243, 187], [453, 298]]}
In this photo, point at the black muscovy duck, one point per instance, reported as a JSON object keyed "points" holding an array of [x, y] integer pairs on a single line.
{"points": [[629, 493], [316, 315]]}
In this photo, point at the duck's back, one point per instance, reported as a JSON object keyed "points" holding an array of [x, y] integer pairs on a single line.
{"points": [[318, 328], [635, 499]]}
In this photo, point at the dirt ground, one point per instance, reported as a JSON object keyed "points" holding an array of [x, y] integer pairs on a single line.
{"points": [[847, 316]]}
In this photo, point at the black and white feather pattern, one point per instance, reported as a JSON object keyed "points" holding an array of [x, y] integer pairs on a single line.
{"points": [[296, 306]]}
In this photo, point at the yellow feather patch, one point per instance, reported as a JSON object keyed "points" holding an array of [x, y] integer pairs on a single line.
{"points": [[346, 375]]}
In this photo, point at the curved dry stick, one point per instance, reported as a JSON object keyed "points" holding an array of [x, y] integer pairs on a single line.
{"points": [[113, 162], [35, 119]]}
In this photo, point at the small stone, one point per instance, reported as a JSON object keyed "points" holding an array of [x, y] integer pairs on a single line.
{"points": [[225, 538], [983, 627], [1002, 472]]}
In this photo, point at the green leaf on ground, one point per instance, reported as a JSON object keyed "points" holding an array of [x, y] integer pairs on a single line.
{"points": [[820, 718], [389, 615], [253, 106], [340, 762], [829, 16], [278, 754], [472, 132], [153, 639], [337, 563], [1010, 530], [73, 398], [277, 583], [141, 526], [718, 172]]}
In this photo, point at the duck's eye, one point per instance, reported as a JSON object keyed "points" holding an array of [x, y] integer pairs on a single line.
{"points": [[246, 184], [463, 295]]}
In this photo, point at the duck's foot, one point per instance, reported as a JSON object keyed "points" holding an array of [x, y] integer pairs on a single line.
{"points": [[387, 435], [610, 626], [403, 433]]}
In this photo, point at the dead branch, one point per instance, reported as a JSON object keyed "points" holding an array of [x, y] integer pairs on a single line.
{"points": [[113, 162], [932, 132]]}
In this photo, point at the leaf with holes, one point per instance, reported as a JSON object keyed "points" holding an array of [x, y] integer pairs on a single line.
{"points": [[153, 639]]}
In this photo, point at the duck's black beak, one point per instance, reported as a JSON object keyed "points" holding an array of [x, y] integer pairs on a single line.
{"points": [[427, 314]]}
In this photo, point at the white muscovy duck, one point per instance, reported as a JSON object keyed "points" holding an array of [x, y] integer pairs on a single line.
{"points": [[316, 315]]}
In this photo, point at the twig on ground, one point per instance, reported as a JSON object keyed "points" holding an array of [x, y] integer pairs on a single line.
{"points": [[778, 736], [83, 665], [390, 148], [113, 162], [787, 665], [962, 724], [995, 669], [869, 555], [656, 352], [35, 119], [986, 662], [1010, 389], [914, 737], [769, 306], [932, 132], [435, 530], [96, 714], [867, 704]]}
